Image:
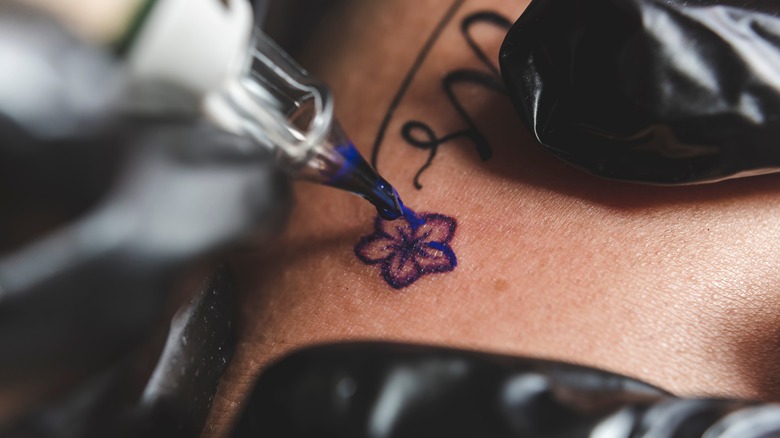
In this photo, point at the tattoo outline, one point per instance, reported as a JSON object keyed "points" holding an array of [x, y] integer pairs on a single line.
{"points": [[406, 250], [419, 134]]}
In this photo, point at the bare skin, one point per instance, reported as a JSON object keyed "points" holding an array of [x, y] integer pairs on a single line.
{"points": [[674, 286]]}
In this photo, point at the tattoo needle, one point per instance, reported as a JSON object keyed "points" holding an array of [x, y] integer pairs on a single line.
{"points": [[249, 86], [279, 105]]}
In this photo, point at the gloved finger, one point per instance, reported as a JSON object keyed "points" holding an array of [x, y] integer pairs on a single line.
{"points": [[195, 141], [174, 397], [609, 91], [189, 188], [96, 286], [359, 390]]}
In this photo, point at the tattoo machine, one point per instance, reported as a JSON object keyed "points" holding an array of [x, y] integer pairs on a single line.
{"points": [[250, 87]]}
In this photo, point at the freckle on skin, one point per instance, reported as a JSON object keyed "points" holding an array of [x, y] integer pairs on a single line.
{"points": [[501, 285]]}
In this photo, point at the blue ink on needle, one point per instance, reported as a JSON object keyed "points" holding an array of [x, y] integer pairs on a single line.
{"points": [[384, 190], [351, 156], [357, 176], [337, 163]]}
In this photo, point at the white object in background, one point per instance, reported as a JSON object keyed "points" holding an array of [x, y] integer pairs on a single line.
{"points": [[198, 44]]}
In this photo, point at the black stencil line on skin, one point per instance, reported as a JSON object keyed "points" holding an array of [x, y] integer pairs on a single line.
{"points": [[406, 250], [419, 134], [399, 95]]}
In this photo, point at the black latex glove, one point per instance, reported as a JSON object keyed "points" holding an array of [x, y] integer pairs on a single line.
{"points": [[99, 213], [656, 91], [130, 399], [377, 390], [94, 287]]}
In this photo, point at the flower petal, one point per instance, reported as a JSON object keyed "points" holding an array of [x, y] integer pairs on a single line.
{"points": [[401, 270], [396, 229], [437, 228], [436, 257], [374, 248]]}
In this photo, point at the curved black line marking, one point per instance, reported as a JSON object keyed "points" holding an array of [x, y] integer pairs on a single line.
{"points": [[486, 80], [409, 77], [429, 141], [490, 80], [489, 17]]}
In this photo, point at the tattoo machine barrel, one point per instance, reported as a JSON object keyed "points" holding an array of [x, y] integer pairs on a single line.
{"points": [[278, 104]]}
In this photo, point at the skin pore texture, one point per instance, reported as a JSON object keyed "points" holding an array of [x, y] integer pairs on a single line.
{"points": [[676, 286]]}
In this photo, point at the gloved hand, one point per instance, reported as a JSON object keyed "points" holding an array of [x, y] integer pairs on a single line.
{"points": [[100, 211], [88, 291], [651, 91], [362, 390], [101, 208]]}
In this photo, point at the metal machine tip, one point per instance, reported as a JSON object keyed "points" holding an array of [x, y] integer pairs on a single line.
{"points": [[357, 176], [337, 163], [386, 200]]}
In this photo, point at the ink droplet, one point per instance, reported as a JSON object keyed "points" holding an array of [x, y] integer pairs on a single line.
{"points": [[384, 191]]}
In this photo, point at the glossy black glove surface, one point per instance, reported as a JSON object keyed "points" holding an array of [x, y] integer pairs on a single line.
{"points": [[393, 391], [130, 399], [656, 91], [185, 190]]}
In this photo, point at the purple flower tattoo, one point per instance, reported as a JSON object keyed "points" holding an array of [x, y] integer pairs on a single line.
{"points": [[405, 251]]}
